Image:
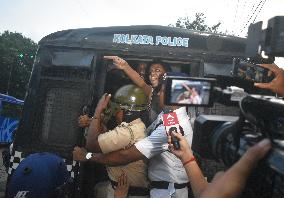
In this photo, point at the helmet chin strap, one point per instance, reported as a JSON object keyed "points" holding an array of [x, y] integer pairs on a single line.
{"points": [[129, 116]]}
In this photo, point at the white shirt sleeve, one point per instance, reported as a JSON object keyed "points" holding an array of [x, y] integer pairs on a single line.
{"points": [[154, 144]]}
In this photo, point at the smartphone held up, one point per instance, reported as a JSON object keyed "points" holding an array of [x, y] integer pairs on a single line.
{"points": [[251, 72]]}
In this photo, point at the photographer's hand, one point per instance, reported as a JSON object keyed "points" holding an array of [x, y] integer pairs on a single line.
{"points": [[195, 176], [184, 153], [225, 184], [232, 182], [277, 84]]}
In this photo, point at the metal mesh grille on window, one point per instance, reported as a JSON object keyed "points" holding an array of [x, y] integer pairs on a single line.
{"points": [[60, 116]]}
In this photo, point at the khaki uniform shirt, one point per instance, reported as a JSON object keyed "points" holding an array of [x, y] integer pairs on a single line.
{"points": [[124, 136]]}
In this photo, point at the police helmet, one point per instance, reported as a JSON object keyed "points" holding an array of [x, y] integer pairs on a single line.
{"points": [[131, 98]]}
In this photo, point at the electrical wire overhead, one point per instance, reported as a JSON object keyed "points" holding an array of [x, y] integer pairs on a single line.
{"points": [[254, 13], [250, 14], [259, 11], [236, 15]]}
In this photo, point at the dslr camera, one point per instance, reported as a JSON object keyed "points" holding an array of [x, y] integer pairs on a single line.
{"points": [[226, 138]]}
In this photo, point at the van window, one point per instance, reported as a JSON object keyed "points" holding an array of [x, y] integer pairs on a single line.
{"points": [[117, 78], [72, 58], [60, 114]]}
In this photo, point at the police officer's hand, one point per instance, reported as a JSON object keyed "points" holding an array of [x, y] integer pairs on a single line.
{"points": [[184, 153], [232, 182], [84, 121], [121, 190], [118, 62], [102, 104], [79, 154], [277, 84]]}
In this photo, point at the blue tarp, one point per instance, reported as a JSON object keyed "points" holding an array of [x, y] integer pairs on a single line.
{"points": [[8, 125], [11, 99]]}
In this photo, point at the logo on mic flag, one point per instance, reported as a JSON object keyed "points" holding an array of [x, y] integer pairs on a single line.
{"points": [[171, 123], [170, 119]]}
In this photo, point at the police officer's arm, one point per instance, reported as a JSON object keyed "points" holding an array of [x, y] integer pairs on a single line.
{"points": [[96, 128], [117, 158], [131, 73]]}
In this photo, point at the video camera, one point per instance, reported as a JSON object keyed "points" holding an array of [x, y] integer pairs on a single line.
{"points": [[226, 138]]}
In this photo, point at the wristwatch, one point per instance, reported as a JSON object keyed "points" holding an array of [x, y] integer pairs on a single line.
{"points": [[89, 155]]}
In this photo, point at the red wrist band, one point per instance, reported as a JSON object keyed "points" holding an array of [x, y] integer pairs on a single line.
{"points": [[188, 161]]}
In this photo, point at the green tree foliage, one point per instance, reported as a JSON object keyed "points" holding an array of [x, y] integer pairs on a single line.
{"points": [[17, 54], [197, 24]]}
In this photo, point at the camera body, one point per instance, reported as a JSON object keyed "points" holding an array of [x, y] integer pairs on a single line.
{"points": [[220, 140], [226, 138], [210, 132]]}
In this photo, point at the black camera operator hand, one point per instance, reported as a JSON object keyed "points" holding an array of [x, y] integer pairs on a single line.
{"points": [[224, 184], [277, 84]]}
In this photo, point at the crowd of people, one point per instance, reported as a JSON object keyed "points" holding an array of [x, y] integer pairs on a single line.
{"points": [[147, 148], [140, 159], [170, 170]]}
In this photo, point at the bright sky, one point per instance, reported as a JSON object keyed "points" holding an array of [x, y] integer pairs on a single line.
{"points": [[37, 18]]}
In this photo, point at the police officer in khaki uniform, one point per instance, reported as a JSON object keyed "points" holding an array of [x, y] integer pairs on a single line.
{"points": [[131, 106]]}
